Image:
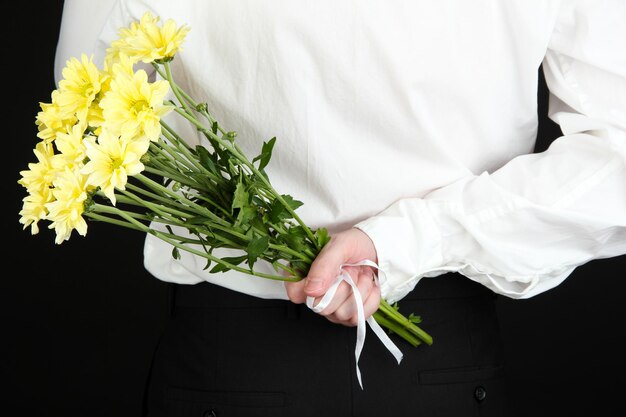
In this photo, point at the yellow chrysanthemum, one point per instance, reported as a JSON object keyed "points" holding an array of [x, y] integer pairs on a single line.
{"points": [[112, 161], [50, 120], [133, 107], [118, 47], [71, 147], [65, 213], [95, 118], [122, 64], [147, 41], [39, 175], [78, 89], [96, 115], [34, 208]]}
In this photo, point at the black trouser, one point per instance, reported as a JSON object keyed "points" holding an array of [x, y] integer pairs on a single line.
{"points": [[229, 354]]}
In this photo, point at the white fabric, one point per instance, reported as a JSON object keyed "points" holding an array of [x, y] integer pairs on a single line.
{"points": [[415, 121]]}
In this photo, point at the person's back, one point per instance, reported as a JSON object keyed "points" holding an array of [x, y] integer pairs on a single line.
{"points": [[407, 130]]}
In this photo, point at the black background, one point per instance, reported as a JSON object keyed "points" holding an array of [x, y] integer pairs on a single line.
{"points": [[81, 319]]}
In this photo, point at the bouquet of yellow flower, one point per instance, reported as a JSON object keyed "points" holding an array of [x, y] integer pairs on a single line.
{"points": [[106, 154]]}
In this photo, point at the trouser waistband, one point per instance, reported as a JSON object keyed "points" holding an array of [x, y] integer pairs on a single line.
{"points": [[207, 295]]}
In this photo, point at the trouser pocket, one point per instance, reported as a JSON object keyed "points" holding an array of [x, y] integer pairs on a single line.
{"points": [[481, 389], [195, 403]]}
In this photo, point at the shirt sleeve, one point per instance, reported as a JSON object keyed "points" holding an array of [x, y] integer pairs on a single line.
{"points": [[521, 230], [82, 22]]}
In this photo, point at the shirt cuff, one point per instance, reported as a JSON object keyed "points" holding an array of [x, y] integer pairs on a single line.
{"points": [[408, 245]]}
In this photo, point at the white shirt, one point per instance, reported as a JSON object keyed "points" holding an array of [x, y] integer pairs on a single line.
{"points": [[413, 120]]}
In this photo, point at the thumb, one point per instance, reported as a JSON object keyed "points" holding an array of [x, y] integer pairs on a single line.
{"points": [[325, 268]]}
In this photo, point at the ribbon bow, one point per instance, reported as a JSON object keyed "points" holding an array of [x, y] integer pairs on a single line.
{"points": [[360, 329]]}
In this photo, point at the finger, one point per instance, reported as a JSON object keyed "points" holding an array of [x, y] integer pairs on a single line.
{"points": [[371, 304], [347, 312], [295, 291], [342, 293], [325, 268]]}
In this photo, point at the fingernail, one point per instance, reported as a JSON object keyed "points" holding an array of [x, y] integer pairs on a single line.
{"points": [[313, 285]]}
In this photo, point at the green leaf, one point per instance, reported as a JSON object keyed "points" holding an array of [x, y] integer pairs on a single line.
{"points": [[207, 159], [209, 251], [208, 264], [259, 224], [234, 167], [241, 197], [175, 253], [297, 231], [322, 236], [222, 153], [256, 248], [276, 212], [196, 220], [245, 215], [294, 240], [258, 201], [266, 153], [291, 202], [234, 260], [300, 266], [415, 319]]}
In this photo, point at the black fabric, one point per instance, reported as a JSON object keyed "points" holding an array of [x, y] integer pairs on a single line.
{"points": [[229, 354]]}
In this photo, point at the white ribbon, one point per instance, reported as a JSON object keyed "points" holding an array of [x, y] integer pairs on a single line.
{"points": [[360, 329]]}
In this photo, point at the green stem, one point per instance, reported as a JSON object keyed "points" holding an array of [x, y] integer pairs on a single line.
{"points": [[386, 315], [399, 330], [182, 146], [174, 86], [168, 207], [202, 197], [235, 150], [101, 218], [404, 322], [199, 209], [165, 237]]}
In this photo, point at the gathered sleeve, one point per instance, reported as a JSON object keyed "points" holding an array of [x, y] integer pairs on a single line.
{"points": [[82, 23], [522, 229]]}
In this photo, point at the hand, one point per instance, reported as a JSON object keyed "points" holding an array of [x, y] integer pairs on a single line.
{"points": [[349, 246]]}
